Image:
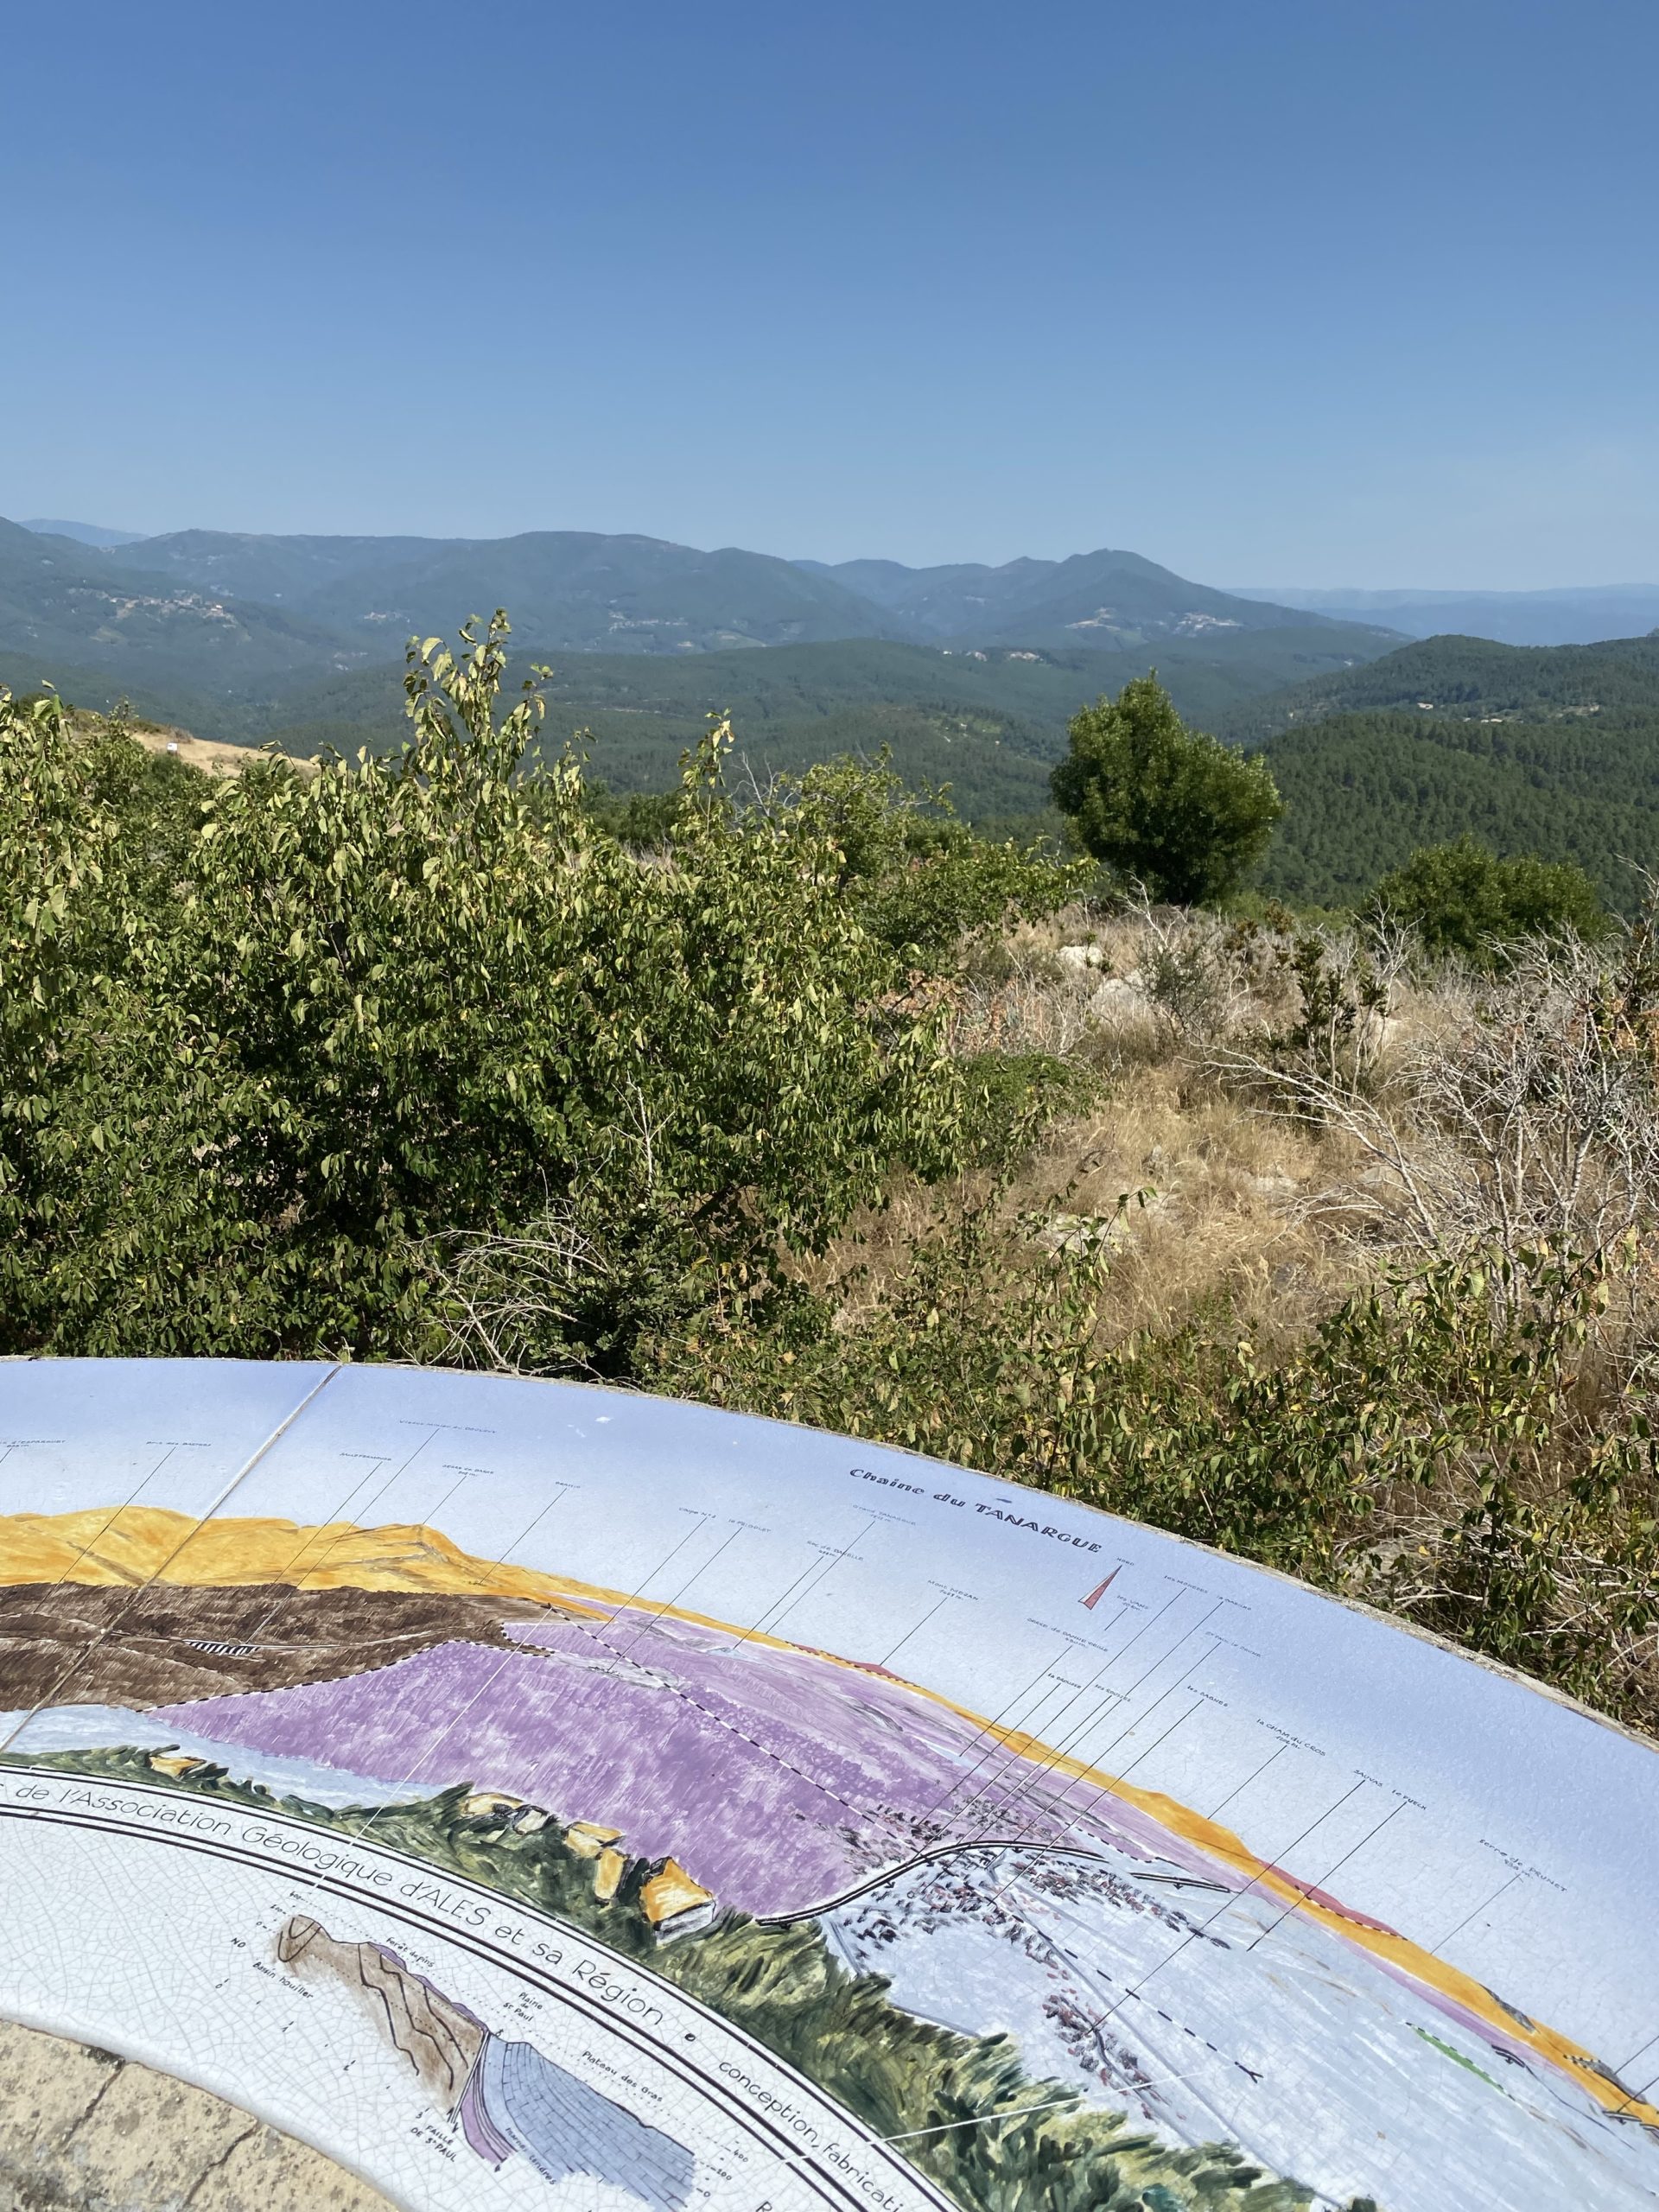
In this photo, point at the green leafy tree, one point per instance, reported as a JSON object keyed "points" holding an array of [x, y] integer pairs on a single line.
{"points": [[1464, 902], [1165, 806], [644, 820], [260, 1068]]}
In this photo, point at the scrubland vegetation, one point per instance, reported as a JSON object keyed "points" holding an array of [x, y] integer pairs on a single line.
{"points": [[1331, 1243]]}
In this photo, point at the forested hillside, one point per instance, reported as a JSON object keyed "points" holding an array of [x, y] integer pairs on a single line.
{"points": [[1546, 750], [350, 598], [990, 721], [1108, 598], [1520, 761], [585, 592], [289, 641], [63, 604], [292, 641], [1469, 678], [1362, 791]]}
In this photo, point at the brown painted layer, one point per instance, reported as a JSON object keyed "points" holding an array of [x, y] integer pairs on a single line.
{"points": [[79, 1644], [441, 2039]]}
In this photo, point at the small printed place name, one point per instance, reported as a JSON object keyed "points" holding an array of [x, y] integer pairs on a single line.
{"points": [[1009, 1518]]}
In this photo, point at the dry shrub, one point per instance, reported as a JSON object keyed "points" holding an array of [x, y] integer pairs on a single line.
{"points": [[1520, 1112]]}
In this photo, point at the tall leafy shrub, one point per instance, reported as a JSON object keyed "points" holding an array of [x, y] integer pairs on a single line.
{"points": [[418, 998]]}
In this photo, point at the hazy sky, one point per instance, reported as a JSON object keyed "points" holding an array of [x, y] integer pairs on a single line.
{"points": [[1274, 291]]}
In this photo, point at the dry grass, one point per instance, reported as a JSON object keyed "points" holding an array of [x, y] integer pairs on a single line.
{"points": [[1266, 1182], [211, 754], [1494, 1139], [1230, 1210]]}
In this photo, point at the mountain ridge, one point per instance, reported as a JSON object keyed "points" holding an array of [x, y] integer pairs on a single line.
{"points": [[298, 640], [575, 590], [1469, 678], [62, 601], [1108, 596], [84, 533], [584, 591], [1548, 750]]}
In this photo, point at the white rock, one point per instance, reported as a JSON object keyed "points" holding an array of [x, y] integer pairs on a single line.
{"points": [[1119, 996]]}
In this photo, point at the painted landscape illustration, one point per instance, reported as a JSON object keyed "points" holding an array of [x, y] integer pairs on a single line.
{"points": [[1053, 1988]]}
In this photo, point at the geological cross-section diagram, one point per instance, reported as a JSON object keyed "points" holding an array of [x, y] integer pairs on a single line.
{"points": [[539, 1796]]}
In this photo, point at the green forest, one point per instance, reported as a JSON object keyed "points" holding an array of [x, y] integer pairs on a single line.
{"points": [[1362, 791], [990, 722], [1551, 751], [1470, 678]]}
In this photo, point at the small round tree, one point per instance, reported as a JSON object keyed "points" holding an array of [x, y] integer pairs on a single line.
{"points": [[1167, 807], [1465, 902]]}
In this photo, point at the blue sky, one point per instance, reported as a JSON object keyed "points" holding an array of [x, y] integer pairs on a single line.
{"points": [[1274, 291]]}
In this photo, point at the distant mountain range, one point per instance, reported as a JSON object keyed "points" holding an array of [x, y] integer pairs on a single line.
{"points": [[967, 674], [63, 603], [300, 640], [574, 591], [1106, 599], [590, 593], [87, 533], [1579, 615], [221, 608]]}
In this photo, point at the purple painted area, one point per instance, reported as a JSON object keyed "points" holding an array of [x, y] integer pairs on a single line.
{"points": [[480, 2129], [776, 1778]]}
